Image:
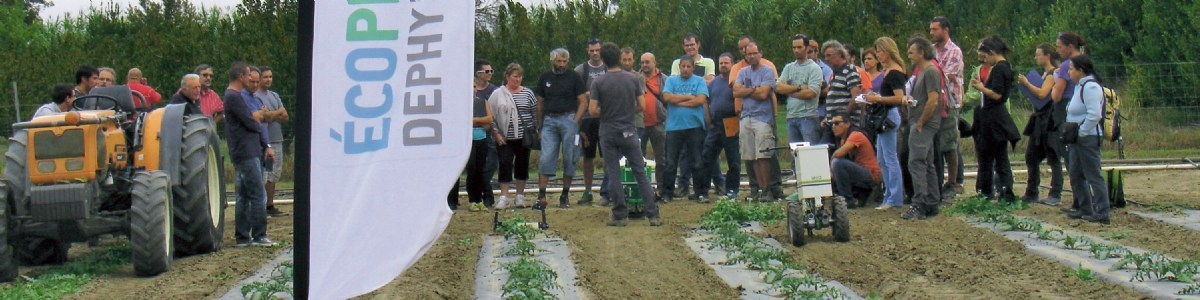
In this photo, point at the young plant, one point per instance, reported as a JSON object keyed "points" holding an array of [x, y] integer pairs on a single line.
{"points": [[529, 279], [516, 227], [523, 247], [1105, 251], [1081, 273], [1050, 235], [280, 282], [1191, 289]]}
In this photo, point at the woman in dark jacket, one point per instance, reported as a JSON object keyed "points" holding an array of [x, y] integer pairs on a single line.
{"points": [[994, 128]]}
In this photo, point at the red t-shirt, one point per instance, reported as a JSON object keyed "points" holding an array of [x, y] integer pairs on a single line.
{"points": [[649, 101], [152, 97], [864, 154]]}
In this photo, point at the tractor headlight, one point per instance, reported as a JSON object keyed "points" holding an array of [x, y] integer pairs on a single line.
{"points": [[45, 167]]}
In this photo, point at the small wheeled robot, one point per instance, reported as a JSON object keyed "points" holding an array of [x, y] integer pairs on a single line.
{"points": [[814, 207]]}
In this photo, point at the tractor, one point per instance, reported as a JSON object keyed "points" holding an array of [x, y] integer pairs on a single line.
{"points": [[109, 168]]}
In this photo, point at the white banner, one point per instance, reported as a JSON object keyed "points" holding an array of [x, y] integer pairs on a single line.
{"points": [[390, 134]]}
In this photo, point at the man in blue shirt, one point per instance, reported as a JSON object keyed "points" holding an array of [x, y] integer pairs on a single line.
{"points": [[754, 85], [720, 137], [687, 117]]}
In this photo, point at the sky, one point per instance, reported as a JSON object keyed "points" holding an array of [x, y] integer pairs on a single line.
{"points": [[62, 7]]}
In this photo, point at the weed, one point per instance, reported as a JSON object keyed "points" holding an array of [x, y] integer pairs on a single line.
{"points": [[51, 286], [1115, 235], [1081, 273], [728, 211], [280, 282], [223, 276], [1191, 289], [464, 242], [982, 207], [1172, 208]]}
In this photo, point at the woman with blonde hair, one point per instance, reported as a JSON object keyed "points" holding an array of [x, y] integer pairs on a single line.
{"points": [[884, 119], [513, 106]]}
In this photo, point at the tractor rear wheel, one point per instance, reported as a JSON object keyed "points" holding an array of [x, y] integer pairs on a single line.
{"points": [[841, 220], [199, 206], [8, 260], [150, 223], [795, 222]]}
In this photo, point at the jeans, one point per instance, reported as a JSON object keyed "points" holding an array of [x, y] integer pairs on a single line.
{"points": [[714, 143], [848, 176], [1034, 154], [677, 141], [656, 136], [559, 132], [251, 207], [889, 162], [926, 189], [1087, 181], [489, 169], [616, 145], [804, 130]]}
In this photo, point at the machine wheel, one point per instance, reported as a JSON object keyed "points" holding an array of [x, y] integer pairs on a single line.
{"points": [[8, 260], [841, 220], [198, 208], [36, 251], [14, 169], [150, 223], [795, 223]]}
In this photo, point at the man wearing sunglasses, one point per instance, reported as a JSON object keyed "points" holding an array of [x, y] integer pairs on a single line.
{"points": [[210, 102], [854, 167]]}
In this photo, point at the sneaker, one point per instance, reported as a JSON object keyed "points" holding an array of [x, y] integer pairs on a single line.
{"points": [[1067, 210], [242, 244], [476, 207], [586, 199], [1051, 201], [605, 202], [520, 201], [616, 223], [564, 201], [948, 193], [1029, 199], [958, 189], [914, 213], [702, 199], [886, 206], [655, 221], [274, 212], [693, 198], [262, 242], [732, 194], [502, 203], [1097, 220]]}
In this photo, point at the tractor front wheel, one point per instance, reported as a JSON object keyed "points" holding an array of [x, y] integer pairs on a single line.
{"points": [[150, 223], [795, 222], [841, 220]]}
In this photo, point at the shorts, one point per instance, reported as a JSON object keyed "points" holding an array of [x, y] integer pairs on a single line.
{"points": [[756, 136], [276, 170], [591, 128], [947, 138]]}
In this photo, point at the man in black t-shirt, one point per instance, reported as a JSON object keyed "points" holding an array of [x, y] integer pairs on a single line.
{"points": [[589, 127], [615, 97], [561, 101]]}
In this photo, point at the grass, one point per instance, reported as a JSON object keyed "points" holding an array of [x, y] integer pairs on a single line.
{"points": [[65, 279]]}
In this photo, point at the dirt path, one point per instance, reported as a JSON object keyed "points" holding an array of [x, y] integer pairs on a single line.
{"points": [[196, 277]]}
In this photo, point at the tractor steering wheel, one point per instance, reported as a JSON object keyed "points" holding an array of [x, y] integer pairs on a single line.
{"points": [[96, 102]]}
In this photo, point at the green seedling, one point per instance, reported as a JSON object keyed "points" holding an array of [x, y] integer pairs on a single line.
{"points": [[1074, 243], [1081, 273], [280, 282], [1170, 208], [516, 227], [1137, 261], [1050, 235], [529, 279], [1191, 289], [1105, 251], [522, 247]]}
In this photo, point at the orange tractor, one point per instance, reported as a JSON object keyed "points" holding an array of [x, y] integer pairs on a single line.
{"points": [[106, 167]]}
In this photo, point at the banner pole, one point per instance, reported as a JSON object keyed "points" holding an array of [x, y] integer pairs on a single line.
{"points": [[303, 152]]}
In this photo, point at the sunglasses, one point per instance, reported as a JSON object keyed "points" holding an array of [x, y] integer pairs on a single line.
{"points": [[836, 123], [486, 71]]}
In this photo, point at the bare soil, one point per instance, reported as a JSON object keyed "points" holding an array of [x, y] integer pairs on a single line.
{"points": [[943, 258]]}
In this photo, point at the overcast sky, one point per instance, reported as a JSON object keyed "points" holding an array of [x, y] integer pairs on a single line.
{"points": [[62, 7]]}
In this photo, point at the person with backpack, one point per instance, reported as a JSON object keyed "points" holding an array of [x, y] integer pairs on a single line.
{"points": [[994, 128], [1082, 133]]}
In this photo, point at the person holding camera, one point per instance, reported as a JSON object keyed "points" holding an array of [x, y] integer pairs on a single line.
{"points": [[854, 167]]}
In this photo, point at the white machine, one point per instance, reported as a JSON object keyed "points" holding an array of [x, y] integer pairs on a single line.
{"points": [[814, 206]]}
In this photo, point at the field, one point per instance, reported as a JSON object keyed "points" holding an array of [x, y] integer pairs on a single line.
{"points": [[888, 257]]}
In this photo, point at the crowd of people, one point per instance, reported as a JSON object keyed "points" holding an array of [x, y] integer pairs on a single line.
{"points": [[893, 123], [252, 114]]}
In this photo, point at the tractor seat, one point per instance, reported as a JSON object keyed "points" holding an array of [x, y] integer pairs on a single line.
{"points": [[121, 93]]}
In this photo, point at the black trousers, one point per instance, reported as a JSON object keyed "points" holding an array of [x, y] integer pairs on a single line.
{"points": [[993, 157]]}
